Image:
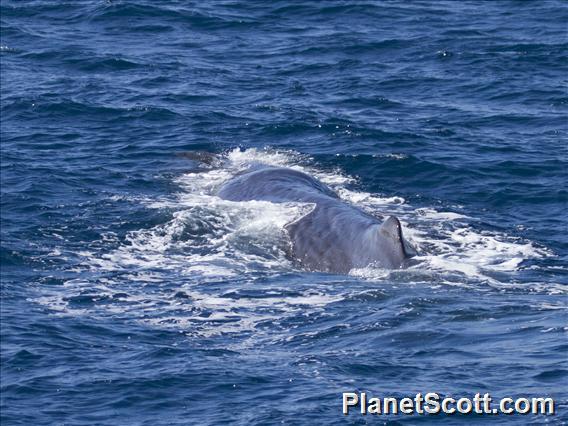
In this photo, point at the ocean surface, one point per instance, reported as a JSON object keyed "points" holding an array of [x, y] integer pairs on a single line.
{"points": [[132, 295]]}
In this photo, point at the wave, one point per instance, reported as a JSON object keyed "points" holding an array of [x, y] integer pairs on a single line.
{"points": [[68, 109], [174, 14]]}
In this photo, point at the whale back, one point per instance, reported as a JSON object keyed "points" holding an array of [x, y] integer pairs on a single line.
{"points": [[275, 184], [334, 236], [339, 238]]}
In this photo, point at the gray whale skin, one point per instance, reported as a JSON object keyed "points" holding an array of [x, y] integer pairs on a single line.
{"points": [[335, 236]]}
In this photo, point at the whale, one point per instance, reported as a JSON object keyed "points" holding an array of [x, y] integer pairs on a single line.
{"points": [[334, 236]]}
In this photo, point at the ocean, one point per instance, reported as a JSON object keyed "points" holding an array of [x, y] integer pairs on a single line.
{"points": [[133, 295]]}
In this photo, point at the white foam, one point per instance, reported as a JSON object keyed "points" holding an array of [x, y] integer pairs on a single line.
{"points": [[207, 239]]}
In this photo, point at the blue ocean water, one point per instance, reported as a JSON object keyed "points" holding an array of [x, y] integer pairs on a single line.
{"points": [[131, 294]]}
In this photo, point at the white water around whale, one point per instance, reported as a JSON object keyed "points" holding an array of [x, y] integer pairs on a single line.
{"points": [[207, 239]]}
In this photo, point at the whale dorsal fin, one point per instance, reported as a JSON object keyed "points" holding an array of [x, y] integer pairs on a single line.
{"points": [[392, 241]]}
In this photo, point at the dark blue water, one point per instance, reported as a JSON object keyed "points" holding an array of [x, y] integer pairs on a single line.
{"points": [[132, 295]]}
